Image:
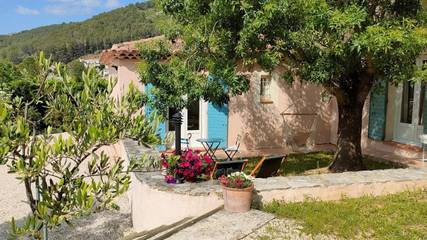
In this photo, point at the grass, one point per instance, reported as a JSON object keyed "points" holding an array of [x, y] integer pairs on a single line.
{"points": [[317, 162], [398, 216]]}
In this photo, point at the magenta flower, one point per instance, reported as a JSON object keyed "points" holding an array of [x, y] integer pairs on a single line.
{"points": [[190, 166], [170, 179]]}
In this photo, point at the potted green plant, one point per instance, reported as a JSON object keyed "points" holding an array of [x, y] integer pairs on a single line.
{"points": [[237, 190]]}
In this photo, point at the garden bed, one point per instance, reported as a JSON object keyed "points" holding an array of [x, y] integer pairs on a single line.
{"points": [[302, 164]]}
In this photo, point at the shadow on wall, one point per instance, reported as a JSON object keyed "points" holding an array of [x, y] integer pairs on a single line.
{"points": [[266, 126]]}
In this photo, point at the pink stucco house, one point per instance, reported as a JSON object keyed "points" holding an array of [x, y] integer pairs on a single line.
{"points": [[273, 116]]}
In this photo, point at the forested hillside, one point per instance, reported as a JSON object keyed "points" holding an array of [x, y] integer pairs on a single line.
{"points": [[69, 41]]}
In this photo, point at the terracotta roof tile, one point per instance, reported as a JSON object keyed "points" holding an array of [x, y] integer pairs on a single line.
{"points": [[129, 50]]}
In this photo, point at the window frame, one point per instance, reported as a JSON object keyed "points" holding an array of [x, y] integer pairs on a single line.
{"points": [[265, 83]]}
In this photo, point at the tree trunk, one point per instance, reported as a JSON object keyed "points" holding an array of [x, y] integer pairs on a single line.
{"points": [[29, 193], [348, 156], [351, 97]]}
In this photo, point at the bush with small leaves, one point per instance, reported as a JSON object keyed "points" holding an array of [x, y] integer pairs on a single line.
{"points": [[69, 169]]}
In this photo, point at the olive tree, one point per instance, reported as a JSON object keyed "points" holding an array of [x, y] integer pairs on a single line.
{"points": [[63, 167], [345, 46]]}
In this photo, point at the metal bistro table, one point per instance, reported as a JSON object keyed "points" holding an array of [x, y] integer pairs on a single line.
{"points": [[210, 145]]}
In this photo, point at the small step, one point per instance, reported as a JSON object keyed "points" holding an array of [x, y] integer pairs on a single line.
{"points": [[163, 232], [404, 150], [225, 226]]}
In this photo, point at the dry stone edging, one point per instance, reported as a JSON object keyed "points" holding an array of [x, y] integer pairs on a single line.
{"points": [[156, 181]]}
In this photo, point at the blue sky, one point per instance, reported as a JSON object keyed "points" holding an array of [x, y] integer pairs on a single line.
{"points": [[19, 15]]}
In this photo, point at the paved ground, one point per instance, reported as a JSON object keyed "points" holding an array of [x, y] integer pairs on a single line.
{"points": [[225, 226], [252, 225]]}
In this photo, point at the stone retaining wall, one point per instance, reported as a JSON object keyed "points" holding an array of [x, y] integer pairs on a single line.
{"points": [[154, 206], [339, 185], [155, 203]]}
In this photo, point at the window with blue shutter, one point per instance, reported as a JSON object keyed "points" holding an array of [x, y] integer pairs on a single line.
{"points": [[378, 112]]}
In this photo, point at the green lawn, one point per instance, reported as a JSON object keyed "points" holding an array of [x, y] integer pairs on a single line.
{"points": [[399, 216], [317, 162]]}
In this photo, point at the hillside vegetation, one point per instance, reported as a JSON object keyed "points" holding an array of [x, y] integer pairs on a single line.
{"points": [[69, 41]]}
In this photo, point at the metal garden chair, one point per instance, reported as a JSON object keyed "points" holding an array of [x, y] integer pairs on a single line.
{"points": [[232, 150], [186, 141]]}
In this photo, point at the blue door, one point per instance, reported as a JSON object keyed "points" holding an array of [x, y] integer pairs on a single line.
{"points": [[218, 122]]}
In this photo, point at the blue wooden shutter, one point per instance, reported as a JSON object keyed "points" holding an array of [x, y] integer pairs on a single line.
{"points": [[218, 122], [161, 129], [378, 112]]}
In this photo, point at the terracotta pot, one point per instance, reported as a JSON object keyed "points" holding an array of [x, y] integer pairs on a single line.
{"points": [[237, 200]]}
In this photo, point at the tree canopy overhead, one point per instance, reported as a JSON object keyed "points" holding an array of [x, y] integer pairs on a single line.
{"points": [[346, 46]]}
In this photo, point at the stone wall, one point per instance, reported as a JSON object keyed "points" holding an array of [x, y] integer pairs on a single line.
{"points": [[155, 203]]}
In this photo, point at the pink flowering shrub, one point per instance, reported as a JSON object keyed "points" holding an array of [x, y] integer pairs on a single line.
{"points": [[190, 166]]}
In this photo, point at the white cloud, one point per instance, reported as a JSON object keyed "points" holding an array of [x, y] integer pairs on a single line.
{"points": [[112, 3], [26, 11], [72, 7], [90, 3], [84, 3], [56, 10]]}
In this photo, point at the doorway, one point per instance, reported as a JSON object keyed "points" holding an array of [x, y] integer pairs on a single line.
{"points": [[194, 122], [409, 113]]}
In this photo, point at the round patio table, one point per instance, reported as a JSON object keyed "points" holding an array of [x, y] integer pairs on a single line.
{"points": [[210, 145]]}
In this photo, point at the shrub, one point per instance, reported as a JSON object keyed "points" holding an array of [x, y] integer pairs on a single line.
{"points": [[190, 166]]}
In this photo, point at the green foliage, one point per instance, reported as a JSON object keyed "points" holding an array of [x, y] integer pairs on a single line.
{"points": [[345, 46], [76, 69], [327, 42], [183, 72], [19, 84], [68, 41], [70, 169], [399, 216]]}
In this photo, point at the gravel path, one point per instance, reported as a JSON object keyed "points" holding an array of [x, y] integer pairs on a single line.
{"points": [[12, 201], [109, 225]]}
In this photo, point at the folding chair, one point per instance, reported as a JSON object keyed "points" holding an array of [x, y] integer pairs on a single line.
{"points": [[232, 150], [186, 141], [227, 167], [268, 166]]}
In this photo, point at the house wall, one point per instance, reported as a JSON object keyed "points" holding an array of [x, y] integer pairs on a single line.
{"points": [[127, 74], [263, 127], [365, 124], [333, 121]]}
